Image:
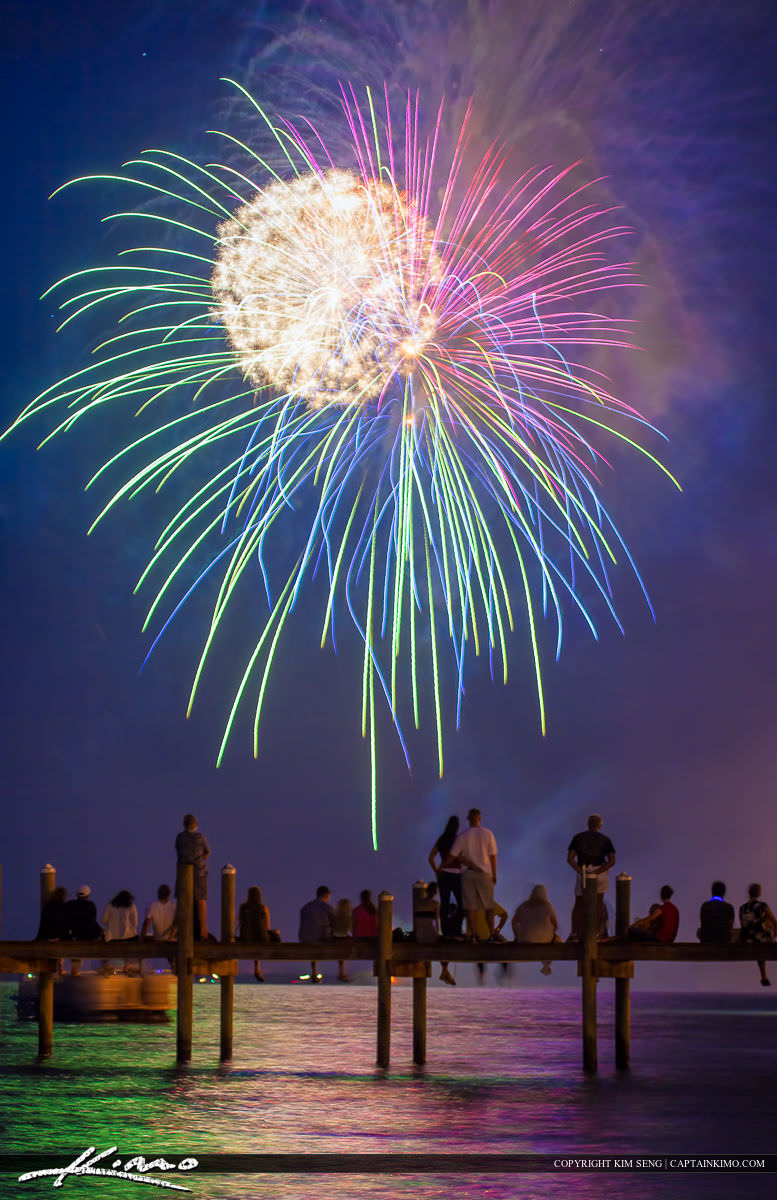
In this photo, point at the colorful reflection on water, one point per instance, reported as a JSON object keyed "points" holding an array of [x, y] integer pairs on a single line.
{"points": [[503, 1076]]}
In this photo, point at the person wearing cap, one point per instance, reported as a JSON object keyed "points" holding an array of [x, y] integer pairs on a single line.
{"points": [[81, 917], [590, 853], [475, 850]]}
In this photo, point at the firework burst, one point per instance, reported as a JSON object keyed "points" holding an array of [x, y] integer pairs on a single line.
{"points": [[391, 351]]}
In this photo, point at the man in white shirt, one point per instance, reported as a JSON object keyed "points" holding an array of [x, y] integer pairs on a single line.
{"points": [[160, 916], [475, 849]]}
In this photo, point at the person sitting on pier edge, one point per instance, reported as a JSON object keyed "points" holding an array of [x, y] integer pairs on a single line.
{"points": [[160, 919], [316, 922], [448, 880], [716, 917], [364, 918], [535, 921], [670, 917], [590, 853], [426, 924], [81, 916], [758, 925], [426, 916], [254, 924], [475, 849], [645, 929], [477, 929], [54, 926], [191, 846], [160, 916], [120, 919], [341, 928]]}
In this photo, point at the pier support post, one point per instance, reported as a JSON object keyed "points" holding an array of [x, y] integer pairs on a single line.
{"points": [[622, 986], [383, 970], [419, 1019], [184, 957], [227, 982], [48, 881], [587, 961], [419, 993]]}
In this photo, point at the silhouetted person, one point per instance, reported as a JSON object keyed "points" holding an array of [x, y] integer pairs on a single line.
{"points": [[254, 924], [159, 916], [121, 921], [191, 846], [341, 928], [591, 853], [54, 924], [758, 925], [364, 918], [81, 917], [670, 917], [716, 917], [535, 921], [645, 929], [475, 850], [448, 875], [316, 923]]}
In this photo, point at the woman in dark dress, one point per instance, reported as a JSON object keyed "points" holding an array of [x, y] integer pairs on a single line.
{"points": [[449, 879]]}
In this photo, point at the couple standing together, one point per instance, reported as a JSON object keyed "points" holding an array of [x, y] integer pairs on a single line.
{"points": [[466, 873]]}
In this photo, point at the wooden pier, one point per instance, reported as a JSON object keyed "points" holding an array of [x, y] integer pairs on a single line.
{"points": [[595, 961]]}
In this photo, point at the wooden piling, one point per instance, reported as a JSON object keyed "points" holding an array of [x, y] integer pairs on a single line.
{"points": [[383, 971], [184, 958], [227, 982], [419, 1019], [587, 962], [48, 881], [622, 985], [419, 993]]}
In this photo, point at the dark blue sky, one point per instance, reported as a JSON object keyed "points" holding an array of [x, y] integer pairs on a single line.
{"points": [[668, 731]]}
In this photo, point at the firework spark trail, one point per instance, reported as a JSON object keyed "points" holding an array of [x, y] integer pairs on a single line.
{"points": [[408, 383]]}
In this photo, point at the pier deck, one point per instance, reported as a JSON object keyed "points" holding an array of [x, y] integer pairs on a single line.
{"points": [[595, 960]]}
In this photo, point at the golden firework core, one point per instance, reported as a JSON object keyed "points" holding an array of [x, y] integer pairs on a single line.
{"points": [[319, 283]]}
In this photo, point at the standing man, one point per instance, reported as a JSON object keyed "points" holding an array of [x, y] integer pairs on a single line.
{"points": [[591, 853], [475, 849], [192, 847]]}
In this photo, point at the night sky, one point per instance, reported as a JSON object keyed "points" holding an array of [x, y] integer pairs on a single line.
{"points": [[668, 731]]}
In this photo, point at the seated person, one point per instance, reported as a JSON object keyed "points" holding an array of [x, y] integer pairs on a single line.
{"points": [[426, 916], [54, 920], [477, 924], [670, 917], [646, 928], [716, 917], [81, 916], [316, 923], [535, 921], [254, 923], [364, 918], [758, 925]]}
